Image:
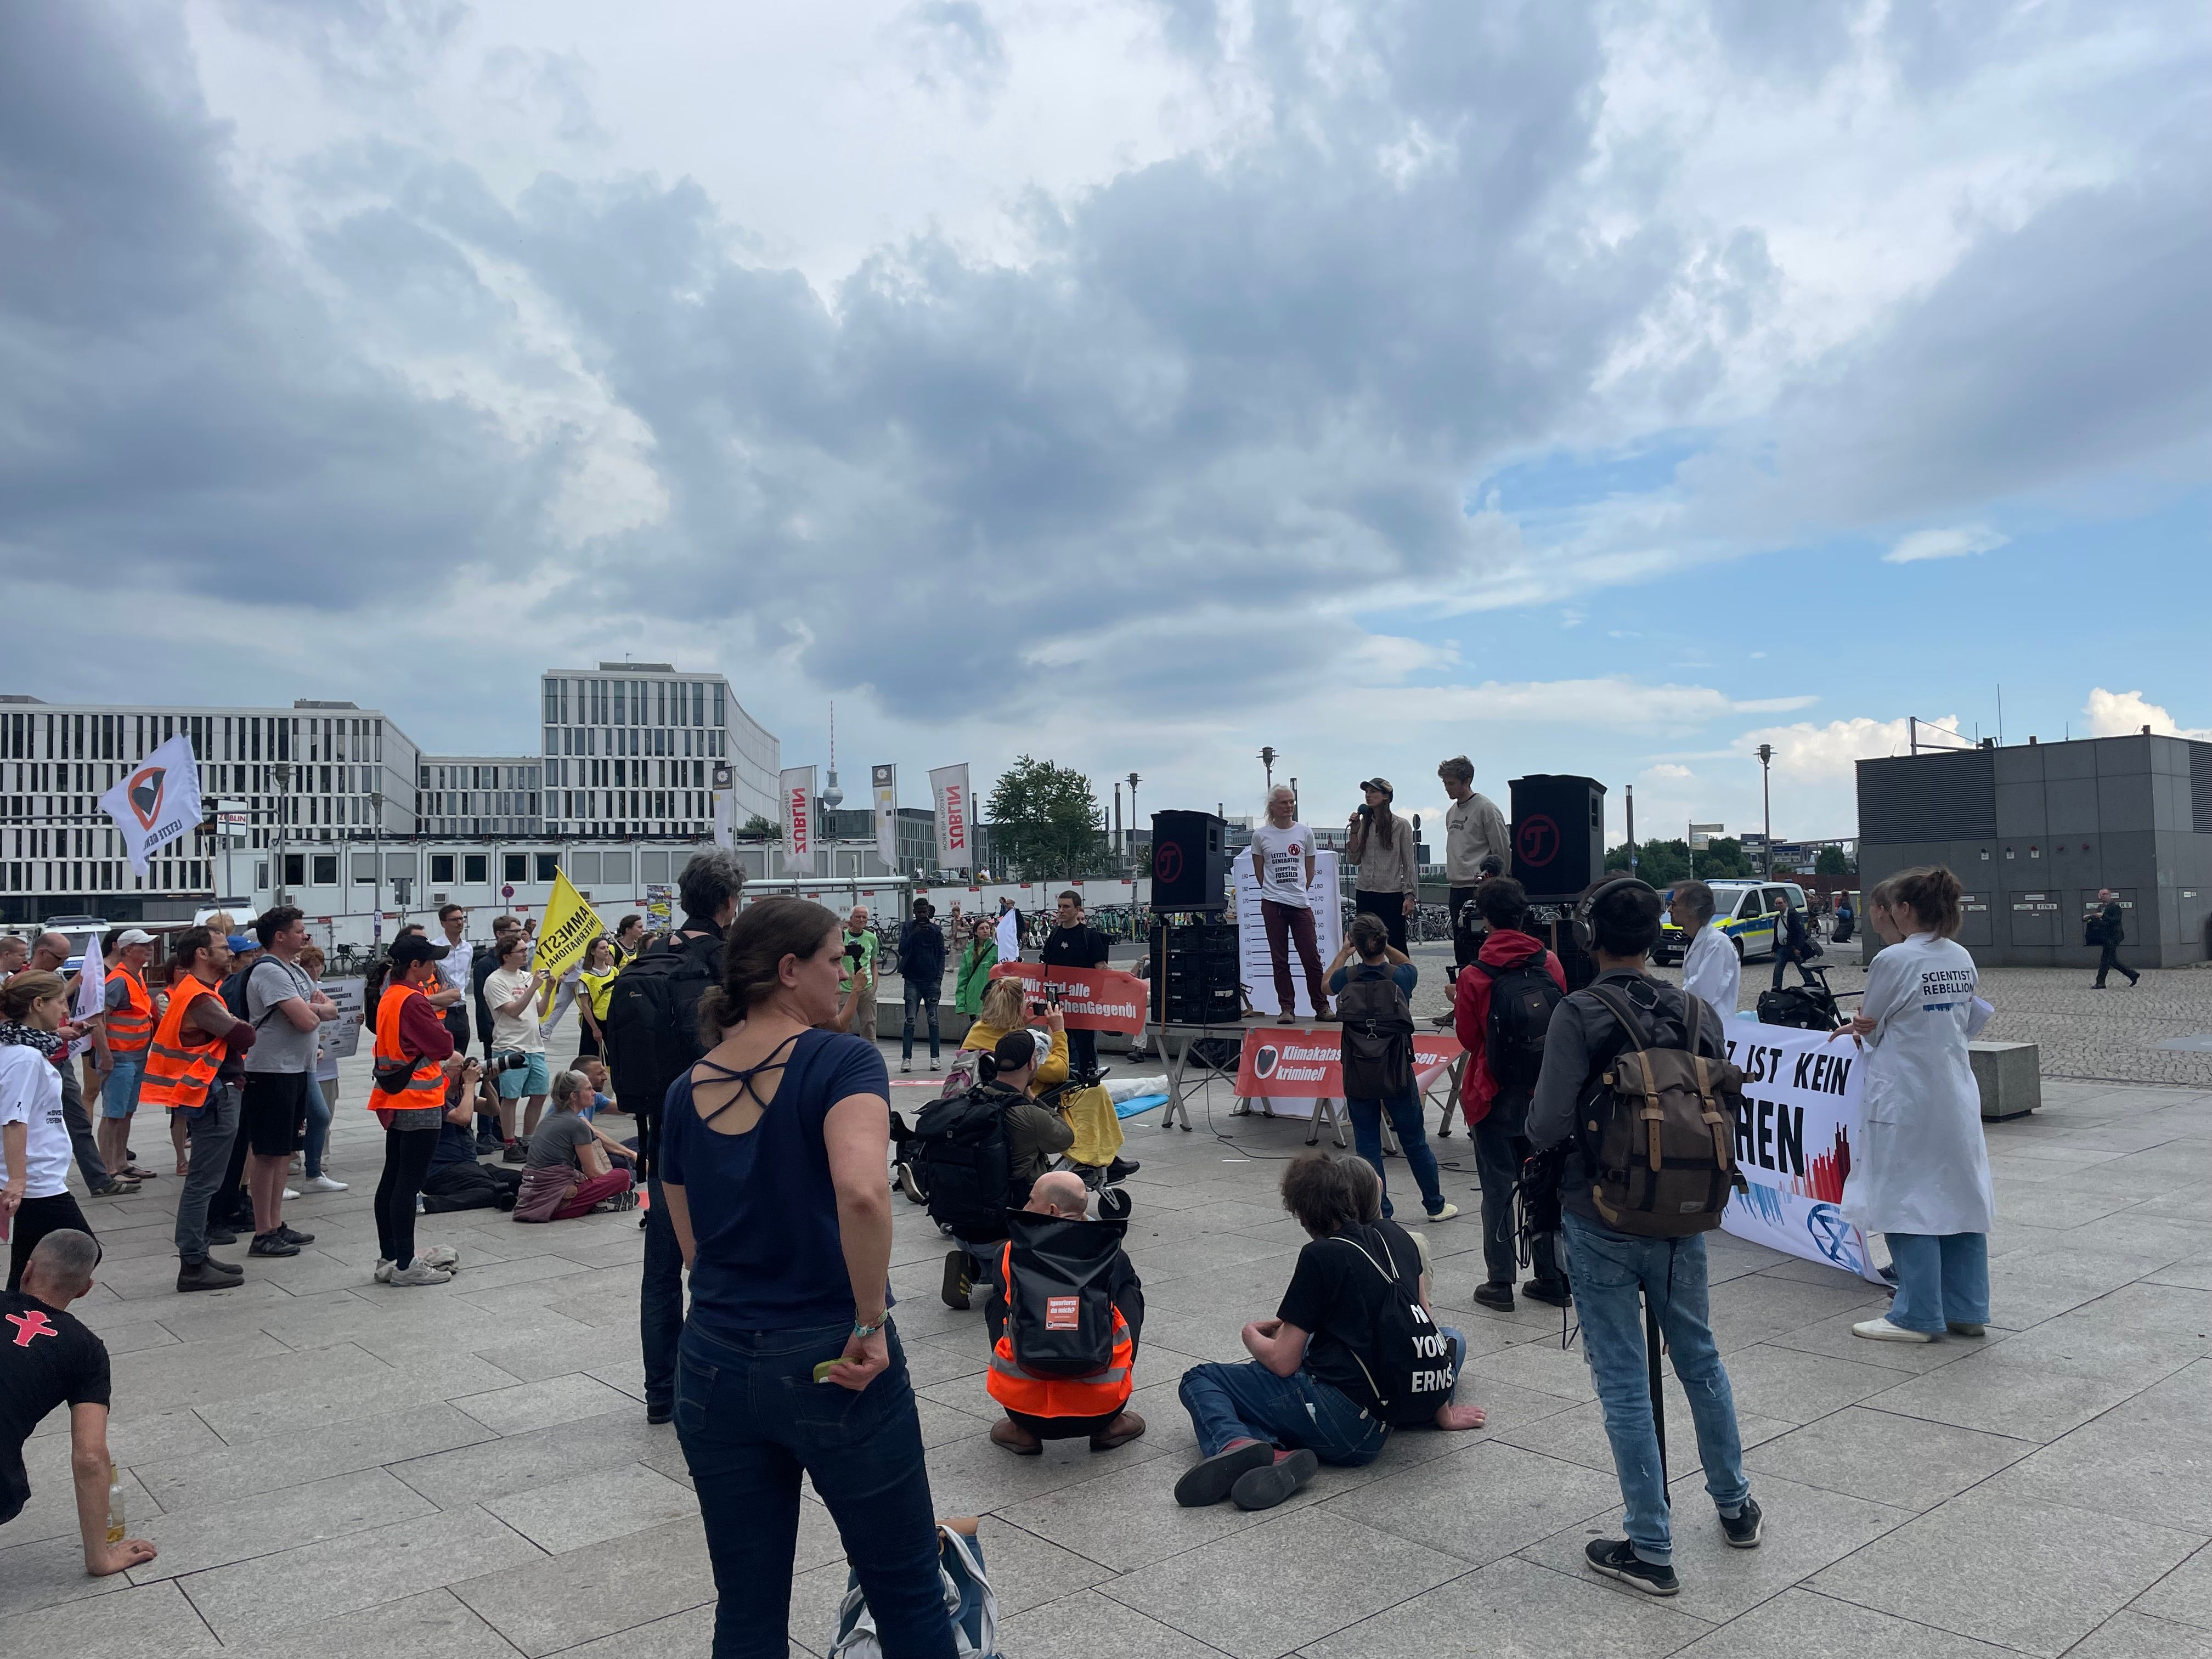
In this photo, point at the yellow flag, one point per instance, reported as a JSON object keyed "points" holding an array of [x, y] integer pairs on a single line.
{"points": [[570, 926]]}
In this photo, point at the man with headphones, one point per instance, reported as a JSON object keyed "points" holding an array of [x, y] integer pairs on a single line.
{"points": [[1619, 923]]}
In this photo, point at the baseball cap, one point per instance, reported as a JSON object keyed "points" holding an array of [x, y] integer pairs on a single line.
{"points": [[1383, 784], [135, 936], [1015, 1050], [243, 942], [415, 948]]}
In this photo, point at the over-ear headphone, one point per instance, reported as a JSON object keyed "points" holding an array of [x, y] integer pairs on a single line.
{"points": [[1585, 938]]}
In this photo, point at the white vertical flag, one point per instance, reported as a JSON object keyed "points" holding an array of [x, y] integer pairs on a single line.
{"points": [[796, 784], [158, 802], [726, 829], [91, 991], [948, 786], [884, 780]]}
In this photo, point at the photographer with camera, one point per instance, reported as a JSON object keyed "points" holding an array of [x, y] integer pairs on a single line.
{"points": [[455, 1179], [1006, 1004], [1601, 1039], [1381, 844]]}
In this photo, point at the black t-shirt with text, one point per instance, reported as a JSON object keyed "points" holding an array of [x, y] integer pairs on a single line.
{"points": [[47, 1358], [1336, 1296]]}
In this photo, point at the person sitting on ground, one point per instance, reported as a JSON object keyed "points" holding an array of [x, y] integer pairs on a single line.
{"points": [[595, 1074], [1497, 1112], [1035, 1136], [69, 1366], [455, 1179], [1041, 1408], [1004, 1012], [569, 1171], [1307, 1395]]}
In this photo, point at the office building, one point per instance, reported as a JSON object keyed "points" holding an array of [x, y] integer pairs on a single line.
{"points": [[630, 748], [479, 795]]}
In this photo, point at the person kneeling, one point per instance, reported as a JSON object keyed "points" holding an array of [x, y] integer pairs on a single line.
{"points": [[455, 1180], [567, 1171], [1064, 1315], [1352, 1350]]}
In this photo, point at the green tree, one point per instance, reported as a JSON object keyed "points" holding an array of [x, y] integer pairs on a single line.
{"points": [[1046, 820], [1662, 863], [760, 829], [1831, 861]]}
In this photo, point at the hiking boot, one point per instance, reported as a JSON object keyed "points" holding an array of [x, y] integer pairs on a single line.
{"points": [[1557, 1295], [1495, 1296], [1881, 1330], [206, 1276], [419, 1272], [1262, 1489], [1015, 1438], [271, 1245], [1617, 1558], [1743, 1531], [1211, 1479], [957, 1282], [1120, 1432]]}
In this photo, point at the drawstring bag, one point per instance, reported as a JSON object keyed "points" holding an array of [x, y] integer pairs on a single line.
{"points": [[969, 1601]]}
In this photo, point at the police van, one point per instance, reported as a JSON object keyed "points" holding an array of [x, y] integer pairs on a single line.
{"points": [[1743, 910]]}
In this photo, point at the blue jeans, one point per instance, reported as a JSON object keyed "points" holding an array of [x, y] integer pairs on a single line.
{"points": [[1609, 1269], [1229, 1403], [320, 1093], [918, 992], [1412, 1140], [1942, 1279], [660, 1299], [752, 1419]]}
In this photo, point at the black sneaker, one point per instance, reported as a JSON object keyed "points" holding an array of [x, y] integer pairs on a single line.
{"points": [[660, 1410], [516, 1152], [489, 1144], [291, 1237], [1537, 1290], [958, 1283], [1494, 1295], [1616, 1557], [271, 1245], [1262, 1489], [1211, 1478], [1743, 1531]]}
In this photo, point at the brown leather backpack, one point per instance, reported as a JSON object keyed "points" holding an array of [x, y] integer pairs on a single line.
{"points": [[1661, 1143]]}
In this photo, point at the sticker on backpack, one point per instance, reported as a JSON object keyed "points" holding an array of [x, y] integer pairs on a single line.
{"points": [[1063, 1313]]}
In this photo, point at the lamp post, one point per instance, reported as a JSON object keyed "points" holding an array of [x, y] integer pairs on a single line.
{"points": [[1268, 760], [376, 843], [1133, 782], [1766, 809]]}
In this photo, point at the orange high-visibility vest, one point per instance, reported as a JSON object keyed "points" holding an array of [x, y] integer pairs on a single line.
{"points": [[1094, 1396], [130, 1027], [181, 1062], [426, 1084]]}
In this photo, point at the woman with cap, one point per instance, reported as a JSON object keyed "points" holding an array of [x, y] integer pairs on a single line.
{"points": [[1381, 845], [415, 1062]]}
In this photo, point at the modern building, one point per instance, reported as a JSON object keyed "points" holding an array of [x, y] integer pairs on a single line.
{"points": [[630, 749], [2033, 831], [479, 795]]}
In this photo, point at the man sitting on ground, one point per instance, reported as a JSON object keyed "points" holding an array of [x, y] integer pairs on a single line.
{"points": [[1308, 1396], [48, 1358], [1040, 1407], [455, 1179]]}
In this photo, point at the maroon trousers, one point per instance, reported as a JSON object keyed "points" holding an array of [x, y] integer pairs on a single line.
{"points": [[1285, 922]]}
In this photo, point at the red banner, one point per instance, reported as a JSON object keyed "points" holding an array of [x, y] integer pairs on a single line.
{"points": [[1298, 1062], [1091, 999]]}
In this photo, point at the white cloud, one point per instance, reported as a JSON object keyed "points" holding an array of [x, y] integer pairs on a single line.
{"points": [[2122, 714], [1824, 752], [1666, 771], [1953, 543]]}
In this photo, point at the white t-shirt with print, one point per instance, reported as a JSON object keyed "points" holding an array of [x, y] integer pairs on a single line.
{"points": [[1283, 855], [31, 1094], [520, 1031]]}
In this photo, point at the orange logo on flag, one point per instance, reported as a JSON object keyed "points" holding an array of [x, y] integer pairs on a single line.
{"points": [[145, 793]]}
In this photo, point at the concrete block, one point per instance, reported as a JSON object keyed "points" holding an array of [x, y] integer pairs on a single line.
{"points": [[2010, 1077]]}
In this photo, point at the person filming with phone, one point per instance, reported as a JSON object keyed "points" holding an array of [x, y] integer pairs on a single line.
{"points": [[1381, 845]]}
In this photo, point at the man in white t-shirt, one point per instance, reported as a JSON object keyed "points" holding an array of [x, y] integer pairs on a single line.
{"points": [[516, 996], [1710, 967], [1283, 859]]}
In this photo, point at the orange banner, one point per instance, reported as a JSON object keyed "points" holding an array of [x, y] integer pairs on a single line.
{"points": [[1091, 999], [1298, 1062]]}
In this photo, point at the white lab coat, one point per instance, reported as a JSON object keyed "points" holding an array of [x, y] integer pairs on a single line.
{"points": [[1921, 1167], [1010, 936], [1712, 969]]}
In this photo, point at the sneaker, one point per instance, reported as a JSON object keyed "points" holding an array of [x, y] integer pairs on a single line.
{"points": [[291, 1237], [1211, 1479], [323, 1184], [271, 1245], [905, 1066], [290, 1193], [384, 1266], [1617, 1558], [419, 1272], [515, 1152], [1556, 1295], [932, 1066], [1962, 1327], [1743, 1531], [1495, 1296], [1881, 1330], [958, 1283], [489, 1144], [659, 1411], [115, 1189], [1262, 1489], [440, 1256], [421, 1208], [910, 1184], [1445, 1213]]}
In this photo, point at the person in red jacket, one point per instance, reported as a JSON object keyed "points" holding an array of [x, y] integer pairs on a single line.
{"points": [[1497, 1109]]}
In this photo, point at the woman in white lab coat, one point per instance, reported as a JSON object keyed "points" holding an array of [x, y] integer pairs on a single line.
{"points": [[1922, 1176]]}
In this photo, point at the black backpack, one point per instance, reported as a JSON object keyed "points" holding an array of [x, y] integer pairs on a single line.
{"points": [[1520, 1003], [1059, 1299], [1377, 1047], [1411, 1368], [959, 1155], [651, 1026]]}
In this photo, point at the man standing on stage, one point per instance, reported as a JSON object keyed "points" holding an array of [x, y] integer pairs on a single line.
{"points": [[1473, 829], [1283, 859]]}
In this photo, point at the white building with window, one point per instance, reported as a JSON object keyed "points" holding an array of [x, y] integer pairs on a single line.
{"points": [[630, 750], [479, 795]]}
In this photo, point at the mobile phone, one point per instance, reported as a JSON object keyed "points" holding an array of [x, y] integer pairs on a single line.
{"points": [[821, 1371]]}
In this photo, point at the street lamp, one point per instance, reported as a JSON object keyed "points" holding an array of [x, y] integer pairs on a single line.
{"points": [[1268, 760], [1133, 782], [1766, 808]]}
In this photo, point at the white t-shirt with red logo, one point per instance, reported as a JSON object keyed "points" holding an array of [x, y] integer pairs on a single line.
{"points": [[1282, 855]]}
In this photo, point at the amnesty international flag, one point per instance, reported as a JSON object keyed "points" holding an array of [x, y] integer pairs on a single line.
{"points": [[570, 926]]}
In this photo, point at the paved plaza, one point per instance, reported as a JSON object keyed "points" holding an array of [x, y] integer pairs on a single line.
{"points": [[333, 1468]]}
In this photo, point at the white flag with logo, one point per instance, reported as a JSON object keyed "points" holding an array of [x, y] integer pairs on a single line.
{"points": [[91, 991], [157, 802], [883, 781], [796, 784], [948, 786]]}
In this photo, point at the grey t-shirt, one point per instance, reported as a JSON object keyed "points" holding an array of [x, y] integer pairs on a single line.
{"points": [[556, 1140], [278, 1045]]}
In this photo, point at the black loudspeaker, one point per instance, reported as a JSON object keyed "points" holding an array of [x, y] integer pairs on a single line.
{"points": [[1559, 834], [1190, 861], [1195, 974]]}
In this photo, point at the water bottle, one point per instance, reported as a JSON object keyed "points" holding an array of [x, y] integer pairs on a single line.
{"points": [[116, 1528]]}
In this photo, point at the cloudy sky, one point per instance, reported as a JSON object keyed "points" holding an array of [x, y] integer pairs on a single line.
{"points": [[1135, 382]]}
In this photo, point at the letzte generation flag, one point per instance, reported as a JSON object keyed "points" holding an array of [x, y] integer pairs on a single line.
{"points": [[158, 802]]}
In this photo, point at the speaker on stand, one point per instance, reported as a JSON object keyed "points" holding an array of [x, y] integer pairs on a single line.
{"points": [[1558, 851], [1190, 861]]}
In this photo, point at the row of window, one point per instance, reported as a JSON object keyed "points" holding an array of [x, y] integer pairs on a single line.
{"points": [[103, 876], [478, 777], [581, 701], [449, 870], [625, 774], [633, 741], [130, 738]]}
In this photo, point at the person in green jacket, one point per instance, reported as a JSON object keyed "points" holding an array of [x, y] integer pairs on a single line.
{"points": [[978, 955]]}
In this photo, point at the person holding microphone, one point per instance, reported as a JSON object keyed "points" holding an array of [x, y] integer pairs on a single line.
{"points": [[1381, 845], [1922, 1178]]}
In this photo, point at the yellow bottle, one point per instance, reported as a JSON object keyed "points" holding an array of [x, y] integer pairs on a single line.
{"points": [[116, 1528]]}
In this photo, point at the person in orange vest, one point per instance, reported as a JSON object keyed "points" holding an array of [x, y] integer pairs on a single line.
{"points": [[1040, 1407], [190, 1041], [415, 1060], [131, 1015]]}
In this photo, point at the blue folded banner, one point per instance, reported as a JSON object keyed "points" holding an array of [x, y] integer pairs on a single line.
{"points": [[1137, 1103]]}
